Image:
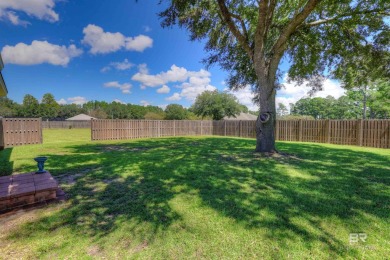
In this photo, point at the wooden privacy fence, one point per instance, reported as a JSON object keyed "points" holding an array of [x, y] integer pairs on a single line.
{"points": [[132, 129], [372, 133], [66, 124], [20, 131]]}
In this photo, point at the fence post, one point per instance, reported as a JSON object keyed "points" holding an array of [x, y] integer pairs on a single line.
{"points": [[174, 130], [328, 131], [300, 127], [91, 129], [240, 129], [201, 127], [159, 128], [359, 132], [225, 126], [40, 130]]}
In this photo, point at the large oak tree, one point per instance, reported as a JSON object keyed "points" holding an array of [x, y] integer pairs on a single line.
{"points": [[250, 38]]}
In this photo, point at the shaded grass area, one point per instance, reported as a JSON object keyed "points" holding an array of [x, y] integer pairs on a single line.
{"points": [[205, 198], [20, 159]]}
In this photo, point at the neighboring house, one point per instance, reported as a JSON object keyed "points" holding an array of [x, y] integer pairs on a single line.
{"points": [[81, 117], [241, 116], [3, 88]]}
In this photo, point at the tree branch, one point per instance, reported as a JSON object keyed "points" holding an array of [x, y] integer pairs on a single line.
{"points": [[259, 38], [294, 23], [244, 30], [271, 9], [227, 17], [327, 20], [281, 44]]}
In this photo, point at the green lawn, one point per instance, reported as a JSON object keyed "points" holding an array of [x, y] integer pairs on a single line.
{"points": [[203, 197]]}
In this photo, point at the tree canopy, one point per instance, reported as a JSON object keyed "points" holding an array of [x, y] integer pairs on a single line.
{"points": [[30, 106], [314, 35], [49, 106], [216, 105], [175, 112], [250, 38]]}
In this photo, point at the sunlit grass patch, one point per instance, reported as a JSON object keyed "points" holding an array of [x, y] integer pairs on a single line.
{"points": [[203, 197]]}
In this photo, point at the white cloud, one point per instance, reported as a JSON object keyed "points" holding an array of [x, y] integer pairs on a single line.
{"points": [[72, 100], [119, 101], [176, 96], [122, 65], [192, 83], [125, 87], [148, 80], [106, 42], [40, 9], [100, 41], [105, 69], [147, 28], [77, 100], [138, 43], [163, 106], [12, 17], [40, 52], [62, 101], [245, 97], [175, 74], [291, 93], [144, 103], [163, 90], [190, 90], [143, 68]]}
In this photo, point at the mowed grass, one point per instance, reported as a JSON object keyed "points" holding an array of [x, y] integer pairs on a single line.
{"points": [[51, 136], [205, 197]]}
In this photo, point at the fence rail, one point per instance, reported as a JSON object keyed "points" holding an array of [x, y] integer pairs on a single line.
{"points": [[371, 133], [66, 124], [20, 131]]}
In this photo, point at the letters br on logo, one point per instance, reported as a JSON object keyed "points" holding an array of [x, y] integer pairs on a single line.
{"points": [[357, 237]]}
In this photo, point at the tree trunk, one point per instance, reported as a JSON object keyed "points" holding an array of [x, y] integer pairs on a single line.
{"points": [[265, 131]]}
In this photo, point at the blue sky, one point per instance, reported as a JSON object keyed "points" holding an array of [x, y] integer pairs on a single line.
{"points": [[96, 50]]}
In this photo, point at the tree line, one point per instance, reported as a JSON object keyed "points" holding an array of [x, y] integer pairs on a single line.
{"points": [[209, 105], [371, 101]]}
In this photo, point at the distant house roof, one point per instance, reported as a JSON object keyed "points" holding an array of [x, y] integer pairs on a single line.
{"points": [[241, 116], [81, 117], [3, 87]]}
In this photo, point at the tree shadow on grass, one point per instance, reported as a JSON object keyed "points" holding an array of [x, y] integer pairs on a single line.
{"points": [[6, 165], [134, 182]]}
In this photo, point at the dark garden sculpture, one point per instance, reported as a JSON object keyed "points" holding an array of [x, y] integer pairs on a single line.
{"points": [[41, 164]]}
